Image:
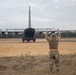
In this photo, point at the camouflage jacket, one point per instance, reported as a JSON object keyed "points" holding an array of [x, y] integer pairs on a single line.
{"points": [[53, 41]]}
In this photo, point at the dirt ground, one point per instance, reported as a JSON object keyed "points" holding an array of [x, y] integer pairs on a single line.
{"points": [[18, 58], [15, 47]]}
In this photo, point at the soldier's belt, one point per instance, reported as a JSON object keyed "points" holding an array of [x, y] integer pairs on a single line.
{"points": [[53, 49]]}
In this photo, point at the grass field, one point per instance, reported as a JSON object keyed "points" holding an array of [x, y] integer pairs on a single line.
{"points": [[36, 65], [17, 58]]}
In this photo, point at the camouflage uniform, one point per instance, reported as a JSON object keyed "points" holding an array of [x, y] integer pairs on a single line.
{"points": [[54, 58], [54, 53]]}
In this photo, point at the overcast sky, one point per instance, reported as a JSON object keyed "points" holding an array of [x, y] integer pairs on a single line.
{"points": [[45, 14]]}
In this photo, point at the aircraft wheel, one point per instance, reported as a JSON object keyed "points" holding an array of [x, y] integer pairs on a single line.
{"points": [[34, 40], [23, 40]]}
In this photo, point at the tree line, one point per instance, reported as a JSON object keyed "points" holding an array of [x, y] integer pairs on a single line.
{"points": [[65, 34]]}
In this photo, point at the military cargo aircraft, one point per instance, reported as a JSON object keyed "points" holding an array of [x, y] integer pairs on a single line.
{"points": [[29, 33]]}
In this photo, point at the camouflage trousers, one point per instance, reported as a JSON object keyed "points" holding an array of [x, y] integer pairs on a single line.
{"points": [[54, 58]]}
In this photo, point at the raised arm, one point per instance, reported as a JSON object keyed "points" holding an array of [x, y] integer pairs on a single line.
{"points": [[46, 36], [59, 35]]}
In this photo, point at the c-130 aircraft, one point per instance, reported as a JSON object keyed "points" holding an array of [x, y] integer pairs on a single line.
{"points": [[29, 33]]}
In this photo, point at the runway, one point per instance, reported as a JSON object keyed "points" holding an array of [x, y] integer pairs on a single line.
{"points": [[15, 47]]}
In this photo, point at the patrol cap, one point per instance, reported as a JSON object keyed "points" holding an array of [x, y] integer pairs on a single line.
{"points": [[54, 34]]}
